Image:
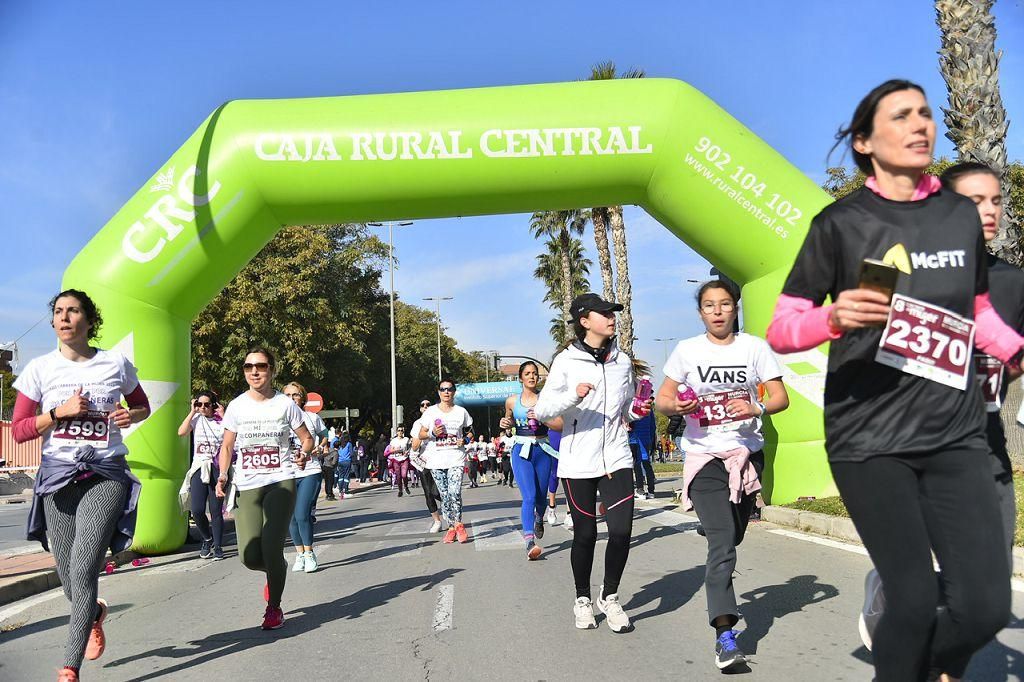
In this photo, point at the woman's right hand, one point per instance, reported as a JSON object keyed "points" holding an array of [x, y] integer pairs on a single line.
{"points": [[438, 430], [684, 407], [73, 406], [505, 423], [221, 482], [857, 309]]}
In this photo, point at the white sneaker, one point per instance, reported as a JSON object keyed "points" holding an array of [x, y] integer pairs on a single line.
{"points": [[311, 562], [618, 621], [568, 521], [435, 527], [874, 607], [583, 609], [300, 563], [549, 516]]}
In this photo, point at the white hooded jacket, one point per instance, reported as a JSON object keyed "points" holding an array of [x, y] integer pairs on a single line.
{"points": [[594, 437]]}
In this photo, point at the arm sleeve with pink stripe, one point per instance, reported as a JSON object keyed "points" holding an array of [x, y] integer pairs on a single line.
{"points": [[798, 324], [993, 336]]}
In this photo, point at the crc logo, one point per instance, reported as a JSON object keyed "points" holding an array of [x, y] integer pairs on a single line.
{"points": [[900, 305], [161, 217]]}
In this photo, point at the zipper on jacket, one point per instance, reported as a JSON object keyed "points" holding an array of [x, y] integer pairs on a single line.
{"points": [[604, 416]]}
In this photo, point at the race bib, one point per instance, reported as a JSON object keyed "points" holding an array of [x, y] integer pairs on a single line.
{"points": [[261, 458], [449, 440], [91, 428], [990, 375], [927, 341], [204, 449], [712, 414]]}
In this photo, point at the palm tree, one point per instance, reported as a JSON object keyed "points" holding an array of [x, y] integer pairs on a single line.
{"points": [[599, 219], [615, 221], [559, 227], [549, 270], [976, 118]]}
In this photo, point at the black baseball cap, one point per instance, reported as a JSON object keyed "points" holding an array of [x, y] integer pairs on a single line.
{"points": [[584, 303]]}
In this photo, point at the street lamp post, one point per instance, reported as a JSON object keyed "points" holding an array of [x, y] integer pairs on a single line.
{"points": [[665, 345], [437, 300], [391, 261]]}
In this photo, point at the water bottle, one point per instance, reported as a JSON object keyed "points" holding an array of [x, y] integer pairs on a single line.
{"points": [[644, 391], [444, 431], [684, 392]]}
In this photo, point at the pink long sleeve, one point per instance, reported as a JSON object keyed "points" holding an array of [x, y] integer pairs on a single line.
{"points": [[798, 324], [24, 419], [993, 336]]}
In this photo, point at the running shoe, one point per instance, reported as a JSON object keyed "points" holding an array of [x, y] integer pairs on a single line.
{"points": [[639, 495], [449, 536], [97, 640], [727, 651], [399, 492], [533, 550], [273, 618], [618, 621], [538, 525], [874, 607], [300, 563], [218, 554], [460, 533], [206, 549], [568, 521], [550, 517], [649, 496], [67, 675], [311, 563], [435, 527], [583, 609], [332, 498]]}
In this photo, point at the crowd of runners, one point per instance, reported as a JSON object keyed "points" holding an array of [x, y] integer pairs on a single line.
{"points": [[918, 456]]}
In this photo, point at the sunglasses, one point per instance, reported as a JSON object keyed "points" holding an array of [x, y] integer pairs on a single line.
{"points": [[256, 366], [203, 403], [424, 404], [446, 389]]}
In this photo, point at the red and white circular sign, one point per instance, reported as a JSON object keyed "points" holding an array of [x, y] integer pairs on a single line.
{"points": [[314, 402]]}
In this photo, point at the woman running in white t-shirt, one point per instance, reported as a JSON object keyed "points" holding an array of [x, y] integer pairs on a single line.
{"points": [[443, 428], [207, 429], [307, 484]]}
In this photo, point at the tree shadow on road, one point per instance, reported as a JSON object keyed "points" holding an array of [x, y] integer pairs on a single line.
{"points": [[672, 591], [765, 604], [197, 652]]}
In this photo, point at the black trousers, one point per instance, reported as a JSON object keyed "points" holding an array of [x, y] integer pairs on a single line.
{"points": [[328, 480], [430, 490], [617, 496]]}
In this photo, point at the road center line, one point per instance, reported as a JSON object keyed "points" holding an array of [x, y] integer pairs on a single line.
{"points": [[443, 610]]}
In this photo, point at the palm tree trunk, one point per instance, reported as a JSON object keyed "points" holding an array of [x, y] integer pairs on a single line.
{"points": [[623, 289], [599, 217], [566, 281], [976, 118]]}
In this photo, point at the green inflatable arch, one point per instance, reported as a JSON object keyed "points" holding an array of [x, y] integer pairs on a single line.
{"points": [[254, 166]]}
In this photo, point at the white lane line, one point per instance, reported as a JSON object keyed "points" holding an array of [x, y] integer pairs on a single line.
{"points": [[669, 518], [25, 604], [856, 549], [391, 538], [21, 550], [503, 534], [444, 609]]}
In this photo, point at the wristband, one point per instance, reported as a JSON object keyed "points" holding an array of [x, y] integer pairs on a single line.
{"points": [[53, 414], [764, 410]]}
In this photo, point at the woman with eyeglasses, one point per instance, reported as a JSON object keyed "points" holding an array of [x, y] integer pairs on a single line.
{"points": [[444, 428], [307, 483], [200, 484], [85, 494], [723, 442], [257, 427], [430, 492]]}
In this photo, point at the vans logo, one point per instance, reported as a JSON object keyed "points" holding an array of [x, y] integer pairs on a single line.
{"points": [[723, 374], [939, 259]]}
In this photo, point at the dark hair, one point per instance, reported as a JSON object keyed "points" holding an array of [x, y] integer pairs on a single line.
{"points": [[957, 171], [448, 380], [715, 284], [863, 122], [528, 363], [92, 313], [207, 393], [265, 352], [578, 329]]}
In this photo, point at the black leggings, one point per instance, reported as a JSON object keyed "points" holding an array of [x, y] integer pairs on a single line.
{"points": [[204, 495], [617, 496], [474, 468], [905, 508], [430, 490]]}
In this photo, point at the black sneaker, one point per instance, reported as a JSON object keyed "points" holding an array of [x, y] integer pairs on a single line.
{"points": [[218, 554], [206, 549], [538, 525], [727, 651]]}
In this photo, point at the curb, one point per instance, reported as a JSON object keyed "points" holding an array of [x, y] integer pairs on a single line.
{"points": [[840, 528], [47, 579]]}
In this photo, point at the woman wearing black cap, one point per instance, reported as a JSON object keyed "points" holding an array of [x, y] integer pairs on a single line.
{"points": [[591, 386]]}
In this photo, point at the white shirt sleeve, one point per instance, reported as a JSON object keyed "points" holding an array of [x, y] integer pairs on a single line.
{"points": [[675, 366], [294, 415], [28, 383], [230, 422], [129, 376], [557, 396], [765, 363]]}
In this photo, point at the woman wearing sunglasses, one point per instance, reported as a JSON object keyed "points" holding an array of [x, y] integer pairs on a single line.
{"points": [[307, 483], [444, 427], [430, 491], [257, 426], [200, 483]]}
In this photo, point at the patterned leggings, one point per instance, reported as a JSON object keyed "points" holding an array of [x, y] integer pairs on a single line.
{"points": [[81, 518], [449, 484]]}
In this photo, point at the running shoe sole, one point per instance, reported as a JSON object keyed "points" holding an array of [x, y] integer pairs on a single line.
{"points": [[534, 553], [725, 665]]}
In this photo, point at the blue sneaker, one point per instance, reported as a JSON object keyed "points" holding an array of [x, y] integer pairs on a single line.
{"points": [[727, 651], [206, 549]]}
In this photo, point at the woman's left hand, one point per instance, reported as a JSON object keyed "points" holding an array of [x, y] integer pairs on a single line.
{"points": [[121, 417], [741, 409]]}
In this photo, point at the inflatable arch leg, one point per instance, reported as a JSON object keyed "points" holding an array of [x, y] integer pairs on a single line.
{"points": [[256, 165]]}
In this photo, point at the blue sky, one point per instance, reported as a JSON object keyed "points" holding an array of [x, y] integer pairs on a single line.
{"points": [[94, 101]]}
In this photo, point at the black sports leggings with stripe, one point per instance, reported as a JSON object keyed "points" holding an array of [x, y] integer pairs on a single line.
{"points": [[617, 496], [80, 519]]}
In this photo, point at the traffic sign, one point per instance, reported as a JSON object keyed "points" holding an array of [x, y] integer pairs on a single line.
{"points": [[314, 402]]}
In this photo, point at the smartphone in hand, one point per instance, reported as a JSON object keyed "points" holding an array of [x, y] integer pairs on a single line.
{"points": [[878, 276]]}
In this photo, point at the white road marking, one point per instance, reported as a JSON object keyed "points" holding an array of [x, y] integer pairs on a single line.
{"points": [[444, 610], [834, 544], [503, 534], [669, 518], [390, 539], [25, 604]]}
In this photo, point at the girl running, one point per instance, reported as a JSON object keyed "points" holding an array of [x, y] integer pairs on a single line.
{"points": [[723, 442], [591, 386], [307, 483], [532, 456], [204, 423], [430, 491], [443, 427], [258, 426], [906, 443], [84, 494]]}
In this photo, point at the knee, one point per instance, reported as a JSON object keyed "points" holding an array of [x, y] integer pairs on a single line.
{"points": [[912, 607], [584, 534], [982, 615]]}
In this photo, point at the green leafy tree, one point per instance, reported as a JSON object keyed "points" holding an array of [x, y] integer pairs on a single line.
{"points": [[550, 270], [558, 229]]}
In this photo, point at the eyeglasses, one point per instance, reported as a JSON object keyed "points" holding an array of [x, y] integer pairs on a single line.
{"points": [[294, 395], [424, 404], [256, 366], [724, 306], [446, 389], [203, 403]]}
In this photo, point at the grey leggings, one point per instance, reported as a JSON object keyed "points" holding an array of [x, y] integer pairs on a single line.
{"points": [[81, 518]]}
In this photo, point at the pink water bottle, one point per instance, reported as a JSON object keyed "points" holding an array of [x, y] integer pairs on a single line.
{"points": [[684, 392], [444, 431], [644, 391]]}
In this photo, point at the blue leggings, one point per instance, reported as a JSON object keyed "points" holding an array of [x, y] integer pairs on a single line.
{"points": [[306, 491], [532, 475], [553, 479]]}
